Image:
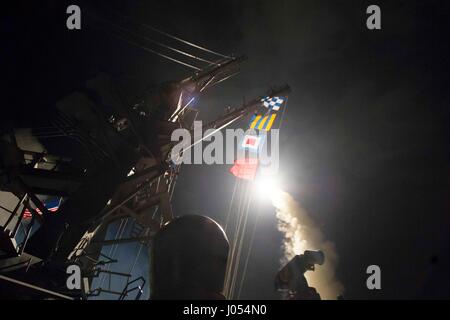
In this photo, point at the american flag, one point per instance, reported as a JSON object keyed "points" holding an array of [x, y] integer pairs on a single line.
{"points": [[51, 205]]}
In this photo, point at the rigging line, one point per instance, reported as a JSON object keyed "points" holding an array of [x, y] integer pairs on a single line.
{"points": [[138, 254], [239, 253], [135, 261], [157, 53], [183, 41], [230, 267], [243, 235], [239, 233], [244, 272], [230, 258], [284, 111], [136, 258], [111, 250], [240, 212], [149, 27], [239, 216], [249, 200], [173, 183], [223, 79], [176, 114], [115, 246], [212, 133], [237, 226], [126, 30], [239, 236], [232, 236], [156, 190], [231, 204]]}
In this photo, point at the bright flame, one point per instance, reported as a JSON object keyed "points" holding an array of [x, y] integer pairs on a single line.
{"points": [[268, 187]]}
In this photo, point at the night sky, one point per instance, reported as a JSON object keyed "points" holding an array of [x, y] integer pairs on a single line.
{"points": [[364, 145]]}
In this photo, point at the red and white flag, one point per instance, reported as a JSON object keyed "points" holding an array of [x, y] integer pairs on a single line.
{"points": [[251, 142]]}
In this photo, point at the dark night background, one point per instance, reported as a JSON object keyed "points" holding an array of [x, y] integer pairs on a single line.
{"points": [[364, 146]]}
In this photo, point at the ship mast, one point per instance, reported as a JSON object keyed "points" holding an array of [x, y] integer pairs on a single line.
{"points": [[132, 177]]}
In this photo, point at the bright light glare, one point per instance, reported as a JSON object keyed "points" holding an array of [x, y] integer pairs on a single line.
{"points": [[267, 187]]}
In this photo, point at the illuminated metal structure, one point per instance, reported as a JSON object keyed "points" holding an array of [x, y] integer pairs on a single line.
{"points": [[107, 161]]}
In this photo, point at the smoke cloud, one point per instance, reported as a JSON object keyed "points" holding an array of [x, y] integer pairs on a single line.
{"points": [[301, 233]]}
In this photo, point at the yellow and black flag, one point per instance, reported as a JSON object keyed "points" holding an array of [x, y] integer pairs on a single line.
{"points": [[261, 122]]}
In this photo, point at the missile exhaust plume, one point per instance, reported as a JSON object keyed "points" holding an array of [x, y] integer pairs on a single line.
{"points": [[300, 233]]}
